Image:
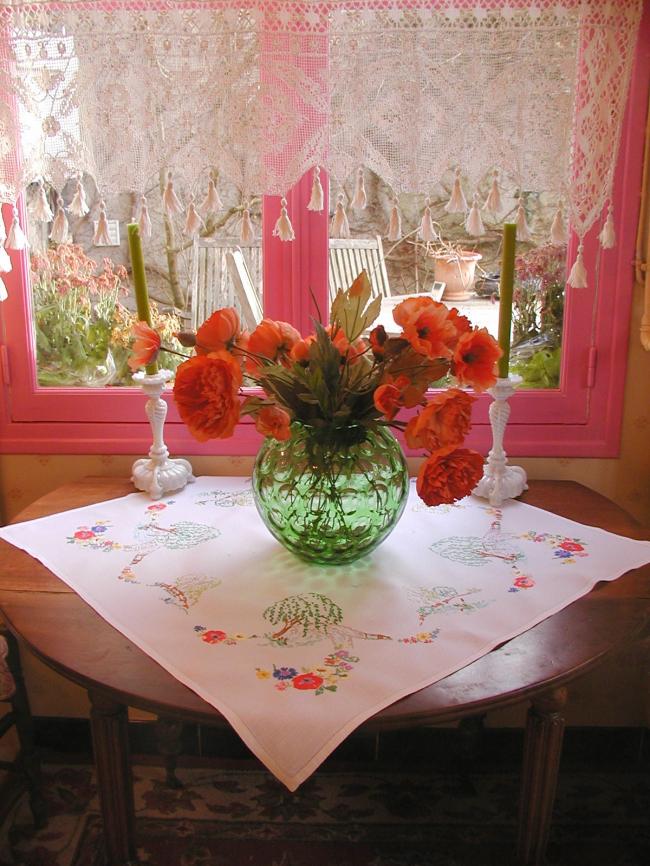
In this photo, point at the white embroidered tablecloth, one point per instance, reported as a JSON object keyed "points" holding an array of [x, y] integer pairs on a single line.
{"points": [[294, 655]]}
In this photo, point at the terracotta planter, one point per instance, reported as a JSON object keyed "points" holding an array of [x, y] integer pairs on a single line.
{"points": [[458, 272]]}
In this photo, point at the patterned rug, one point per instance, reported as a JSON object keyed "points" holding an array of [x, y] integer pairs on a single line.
{"points": [[238, 815]]}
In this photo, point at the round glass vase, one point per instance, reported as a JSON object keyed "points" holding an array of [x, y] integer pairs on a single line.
{"points": [[331, 496]]}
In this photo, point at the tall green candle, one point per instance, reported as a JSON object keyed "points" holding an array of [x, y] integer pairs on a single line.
{"points": [[140, 282], [505, 296]]}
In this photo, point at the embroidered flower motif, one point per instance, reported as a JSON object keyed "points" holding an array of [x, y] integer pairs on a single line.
{"points": [[284, 673], [262, 674], [214, 636], [307, 681], [99, 528], [524, 582], [571, 545], [158, 506], [83, 534]]}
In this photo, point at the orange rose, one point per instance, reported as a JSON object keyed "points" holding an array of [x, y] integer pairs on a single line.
{"points": [[475, 358], [444, 421], [146, 346], [273, 421], [205, 391], [448, 475], [272, 340], [220, 331]]}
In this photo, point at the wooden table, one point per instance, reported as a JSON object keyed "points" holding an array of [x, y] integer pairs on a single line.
{"points": [[70, 637]]}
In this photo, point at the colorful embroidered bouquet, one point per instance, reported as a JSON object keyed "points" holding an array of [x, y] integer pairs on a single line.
{"points": [[342, 381]]}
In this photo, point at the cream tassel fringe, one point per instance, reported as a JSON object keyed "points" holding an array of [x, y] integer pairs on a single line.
{"points": [[427, 230], [42, 210], [523, 231], [3, 231], [246, 231], [607, 236], [578, 275], [171, 201], [457, 203], [493, 201], [474, 224], [317, 200], [340, 227], [193, 222], [79, 205], [101, 236], [558, 232], [211, 203], [360, 199], [5, 261], [283, 228], [395, 223], [3, 291], [144, 220], [59, 233], [16, 239]]}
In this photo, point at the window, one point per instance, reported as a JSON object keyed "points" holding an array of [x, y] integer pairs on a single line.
{"points": [[579, 417]]}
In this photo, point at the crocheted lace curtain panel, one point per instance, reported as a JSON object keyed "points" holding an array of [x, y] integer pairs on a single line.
{"points": [[264, 91]]}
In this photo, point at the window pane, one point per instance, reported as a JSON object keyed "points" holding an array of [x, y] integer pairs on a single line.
{"points": [[460, 270], [82, 298]]}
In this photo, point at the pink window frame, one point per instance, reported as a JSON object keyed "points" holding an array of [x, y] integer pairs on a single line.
{"points": [[580, 418]]}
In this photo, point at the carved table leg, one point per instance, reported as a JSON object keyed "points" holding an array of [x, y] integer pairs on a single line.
{"points": [[108, 721], [542, 749], [169, 734]]}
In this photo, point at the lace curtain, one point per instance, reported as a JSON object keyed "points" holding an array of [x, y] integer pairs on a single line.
{"points": [[264, 90]]}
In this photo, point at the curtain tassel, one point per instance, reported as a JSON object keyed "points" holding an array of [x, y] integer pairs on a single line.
{"points": [[558, 232], [283, 228], [193, 222], [457, 203], [171, 201], [101, 237], [79, 205], [395, 223], [246, 230], [607, 236], [5, 261], [144, 221], [3, 230], [16, 239], [360, 200], [316, 202], [493, 201], [474, 224], [211, 203], [340, 227], [3, 290], [59, 233], [523, 231], [578, 275], [427, 230], [42, 210]]}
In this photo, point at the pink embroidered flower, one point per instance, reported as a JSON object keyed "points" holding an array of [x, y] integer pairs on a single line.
{"points": [[83, 534], [214, 636], [524, 582], [282, 685], [307, 681], [159, 506]]}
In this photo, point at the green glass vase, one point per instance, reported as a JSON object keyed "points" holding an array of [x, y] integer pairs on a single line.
{"points": [[331, 496]]}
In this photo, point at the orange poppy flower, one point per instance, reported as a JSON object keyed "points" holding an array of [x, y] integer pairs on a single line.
{"points": [[273, 421], [475, 358], [205, 391], [428, 328], [392, 394], [461, 323], [408, 311], [272, 340], [378, 337], [448, 475], [146, 346], [444, 421], [300, 350], [220, 331]]}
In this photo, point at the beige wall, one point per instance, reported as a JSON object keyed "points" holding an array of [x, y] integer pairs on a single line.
{"points": [[626, 480]]}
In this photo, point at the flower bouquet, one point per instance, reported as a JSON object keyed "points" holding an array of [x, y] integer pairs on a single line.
{"points": [[330, 480]]}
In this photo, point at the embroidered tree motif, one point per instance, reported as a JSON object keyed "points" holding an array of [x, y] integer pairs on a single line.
{"points": [[225, 498], [442, 599], [312, 612], [151, 536], [476, 551], [187, 590]]}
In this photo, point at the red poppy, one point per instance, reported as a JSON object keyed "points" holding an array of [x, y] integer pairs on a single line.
{"points": [[572, 546], [213, 636], [145, 347], [475, 358], [307, 681], [83, 534]]}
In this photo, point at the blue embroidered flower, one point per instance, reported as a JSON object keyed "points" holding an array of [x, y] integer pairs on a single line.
{"points": [[199, 628], [99, 528], [284, 673], [564, 554]]}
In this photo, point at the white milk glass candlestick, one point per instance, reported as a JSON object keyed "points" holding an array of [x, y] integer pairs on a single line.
{"points": [[500, 481], [158, 474]]}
